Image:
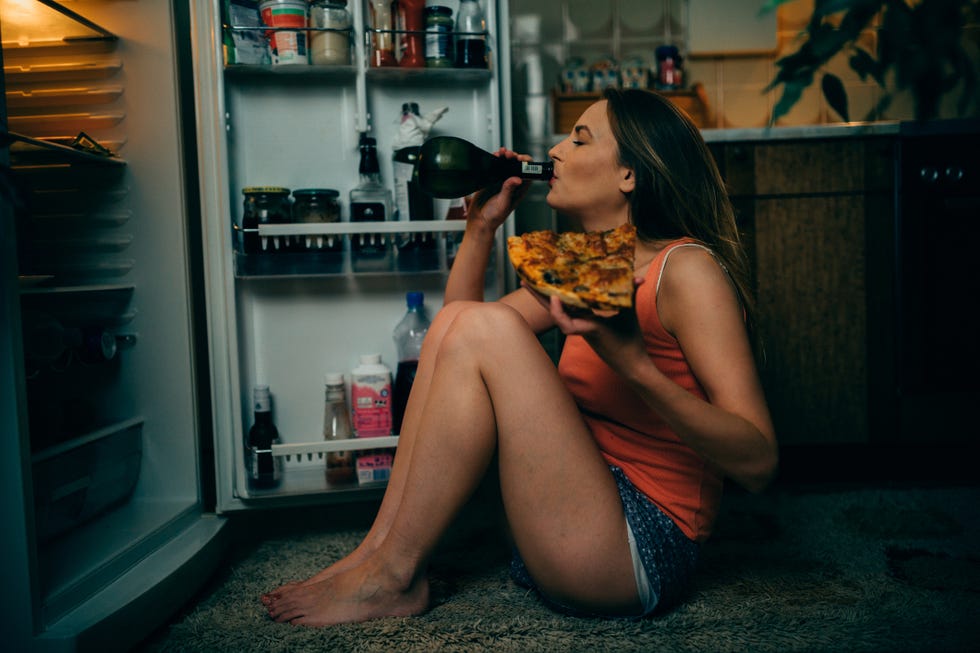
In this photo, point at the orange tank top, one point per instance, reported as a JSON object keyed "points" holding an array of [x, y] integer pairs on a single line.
{"points": [[630, 434]]}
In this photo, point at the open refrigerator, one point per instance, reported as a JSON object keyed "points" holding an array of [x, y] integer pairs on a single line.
{"points": [[128, 436]]}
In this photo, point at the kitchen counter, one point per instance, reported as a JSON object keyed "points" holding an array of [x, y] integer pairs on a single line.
{"points": [[801, 132]]}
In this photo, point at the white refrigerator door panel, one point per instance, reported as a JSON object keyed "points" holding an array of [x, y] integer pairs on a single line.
{"points": [[300, 129]]}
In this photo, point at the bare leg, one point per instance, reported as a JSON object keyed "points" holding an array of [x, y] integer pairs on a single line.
{"points": [[396, 483], [492, 389]]}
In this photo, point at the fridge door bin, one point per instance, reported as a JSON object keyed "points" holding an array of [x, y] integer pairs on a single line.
{"points": [[77, 480]]}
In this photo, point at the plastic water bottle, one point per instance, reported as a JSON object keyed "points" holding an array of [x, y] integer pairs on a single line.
{"points": [[408, 335]]}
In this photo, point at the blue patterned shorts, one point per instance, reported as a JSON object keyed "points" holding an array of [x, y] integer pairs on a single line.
{"points": [[668, 556]]}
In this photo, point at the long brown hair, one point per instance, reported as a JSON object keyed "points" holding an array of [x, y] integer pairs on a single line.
{"points": [[679, 191]]}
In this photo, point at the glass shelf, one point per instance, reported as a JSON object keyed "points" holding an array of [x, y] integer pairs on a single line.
{"points": [[31, 26], [27, 151]]}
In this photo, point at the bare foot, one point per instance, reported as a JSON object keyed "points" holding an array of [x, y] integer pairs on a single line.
{"points": [[362, 593], [349, 561]]}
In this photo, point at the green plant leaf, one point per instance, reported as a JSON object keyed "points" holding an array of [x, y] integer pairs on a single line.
{"points": [[867, 66], [829, 7], [836, 96], [792, 91], [771, 5], [826, 41]]}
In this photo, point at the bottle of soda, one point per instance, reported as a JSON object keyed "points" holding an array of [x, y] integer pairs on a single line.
{"points": [[264, 469], [337, 426], [408, 336]]}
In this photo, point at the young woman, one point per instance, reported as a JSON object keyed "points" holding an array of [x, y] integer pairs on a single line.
{"points": [[610, 466]]}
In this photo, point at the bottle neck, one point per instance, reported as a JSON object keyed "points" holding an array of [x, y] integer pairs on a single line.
{"points": [[335, 393], [263, 417], [370, 179], [529, 169]]}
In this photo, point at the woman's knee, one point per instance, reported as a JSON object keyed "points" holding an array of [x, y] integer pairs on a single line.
{"points": [[484, 324]]}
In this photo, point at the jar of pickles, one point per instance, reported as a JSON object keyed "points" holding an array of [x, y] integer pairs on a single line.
{"points": [[318, 205], [262, 205]]}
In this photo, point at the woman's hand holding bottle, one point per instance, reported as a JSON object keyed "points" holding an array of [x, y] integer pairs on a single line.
{"points": [[489, 208]]}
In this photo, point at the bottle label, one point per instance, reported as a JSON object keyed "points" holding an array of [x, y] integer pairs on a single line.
{"points": [[367, 212], [403, 175], [371, 399], [531, 168], [438, 39]]}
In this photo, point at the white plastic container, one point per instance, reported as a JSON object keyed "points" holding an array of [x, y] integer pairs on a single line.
{"points": [[287, 46], [371, 397]]}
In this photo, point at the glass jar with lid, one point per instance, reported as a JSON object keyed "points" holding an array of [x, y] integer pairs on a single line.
{"points": [[262, 205], [330, 40], [438, 37], [318, 206]]}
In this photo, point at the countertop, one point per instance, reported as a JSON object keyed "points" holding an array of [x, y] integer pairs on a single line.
{"points": [[802, 132]]}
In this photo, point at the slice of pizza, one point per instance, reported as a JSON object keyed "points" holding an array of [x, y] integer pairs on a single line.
{"points": [[591, 270]]}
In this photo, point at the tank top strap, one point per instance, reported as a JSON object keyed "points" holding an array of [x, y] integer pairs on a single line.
{"points": [[660, 263]]}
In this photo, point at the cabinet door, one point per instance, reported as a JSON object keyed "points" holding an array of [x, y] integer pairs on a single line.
{"points": [[811, 298], [815, 216]]}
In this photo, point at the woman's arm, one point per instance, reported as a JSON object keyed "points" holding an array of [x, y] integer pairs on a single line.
{"points": [[484, 215], [698, 305]]}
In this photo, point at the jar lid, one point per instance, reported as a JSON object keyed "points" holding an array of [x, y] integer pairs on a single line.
{"points": [[439, 9], [313, 192], [333, 378], [330, 4], [268, 190]]}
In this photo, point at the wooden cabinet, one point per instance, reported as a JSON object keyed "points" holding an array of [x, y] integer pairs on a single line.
{"points": [[817, 217]]}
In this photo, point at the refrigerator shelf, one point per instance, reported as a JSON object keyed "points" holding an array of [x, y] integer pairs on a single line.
{"points": [[61, 71], [270, 70], [310, 449], [456, 76], [326, 228], [308, 485], [56, 97], [27, 152]]}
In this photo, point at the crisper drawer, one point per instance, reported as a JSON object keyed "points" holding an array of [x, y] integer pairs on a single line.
{"points": [[76, 480]]}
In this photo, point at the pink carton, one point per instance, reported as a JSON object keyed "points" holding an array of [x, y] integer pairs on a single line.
{"points": [[374, 466]]}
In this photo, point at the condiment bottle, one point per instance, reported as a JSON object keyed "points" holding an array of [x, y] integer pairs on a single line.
{"points": [[337, 426], [264, 470], [411, 37], [471, 35], [382, 44]]}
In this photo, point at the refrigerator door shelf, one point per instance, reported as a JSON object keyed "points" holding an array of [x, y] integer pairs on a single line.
{"points": [[309, 449], [392, 227], [338, 73]]}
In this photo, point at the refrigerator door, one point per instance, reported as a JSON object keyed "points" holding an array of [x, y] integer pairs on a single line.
{"points": [[309, 300], [104, 522]]}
